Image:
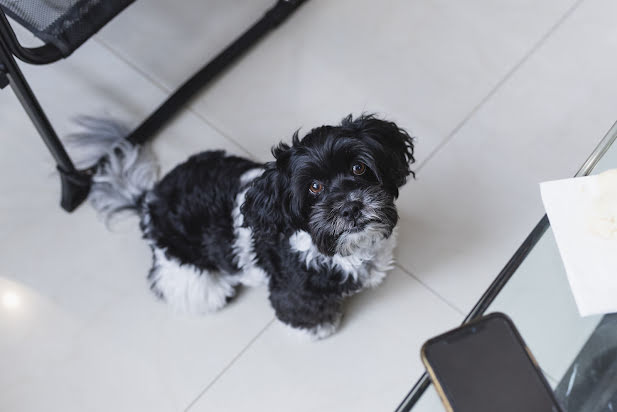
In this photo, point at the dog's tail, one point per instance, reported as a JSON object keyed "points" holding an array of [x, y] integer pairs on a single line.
{"points": [[123, 172]]}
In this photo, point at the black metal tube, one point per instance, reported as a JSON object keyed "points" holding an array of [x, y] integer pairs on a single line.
{"points": [[272, 18], [414, 395], [506, 273], [485, 301], [30, 103], [513, 264], [75, 184], [35, 55]]}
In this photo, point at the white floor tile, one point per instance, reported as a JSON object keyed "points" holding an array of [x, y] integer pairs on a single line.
{"points": [[369, 365], [423, 64], [88, 334], [122, 352], [94, 81], [83, 331], [170, 41], [475, 202]]}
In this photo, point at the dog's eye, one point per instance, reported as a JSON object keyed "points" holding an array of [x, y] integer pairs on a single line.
{"points": [[358, 169], [316, 188]]}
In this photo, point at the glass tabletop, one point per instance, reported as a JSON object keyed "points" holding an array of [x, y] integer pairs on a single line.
{"points": [[578, 355]]}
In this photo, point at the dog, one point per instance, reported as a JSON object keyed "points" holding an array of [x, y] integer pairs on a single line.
{"points": [[317, 224]]}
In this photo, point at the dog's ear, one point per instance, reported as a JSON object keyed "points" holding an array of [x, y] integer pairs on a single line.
{"points": [[269, 201], [392, 147]]}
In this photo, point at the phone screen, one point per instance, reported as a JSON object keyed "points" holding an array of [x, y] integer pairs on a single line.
{"points": [[485, 367]]}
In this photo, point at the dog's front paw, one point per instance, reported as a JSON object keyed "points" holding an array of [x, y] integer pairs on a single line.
{"points": [[317, 332]]}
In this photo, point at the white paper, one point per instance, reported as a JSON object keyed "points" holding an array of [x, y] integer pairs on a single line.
{"points": [[589, 258]]}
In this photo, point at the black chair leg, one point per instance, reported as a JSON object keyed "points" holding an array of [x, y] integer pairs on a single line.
{"points": [[75, 184]]}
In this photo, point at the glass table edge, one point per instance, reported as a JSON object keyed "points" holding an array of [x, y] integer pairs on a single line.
{"points": [[510, 268]]}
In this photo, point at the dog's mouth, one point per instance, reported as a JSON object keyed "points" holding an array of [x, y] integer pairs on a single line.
{"points": [[358, 226], [352, 231], [356, 229], [346, 227]]}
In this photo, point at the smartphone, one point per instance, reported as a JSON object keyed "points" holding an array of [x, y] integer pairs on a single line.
{"points": [[485, 366]]}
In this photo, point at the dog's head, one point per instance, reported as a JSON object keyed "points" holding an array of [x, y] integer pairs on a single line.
{"points": [[338, 183]]}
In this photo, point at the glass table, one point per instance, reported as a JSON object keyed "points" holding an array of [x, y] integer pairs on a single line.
{"points": [[578, 355]]}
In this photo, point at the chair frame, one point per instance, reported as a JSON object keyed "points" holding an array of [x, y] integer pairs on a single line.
{"points": [[75, 184]]}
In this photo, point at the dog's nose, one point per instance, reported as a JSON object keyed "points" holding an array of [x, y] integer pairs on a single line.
{"points": [[352, 210]]}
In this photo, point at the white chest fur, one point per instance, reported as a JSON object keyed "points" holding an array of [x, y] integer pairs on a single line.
{"points": [[368, 265], [244, 253]]}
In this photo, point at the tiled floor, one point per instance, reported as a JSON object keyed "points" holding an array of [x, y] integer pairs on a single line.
{"points": [[501, 95]]}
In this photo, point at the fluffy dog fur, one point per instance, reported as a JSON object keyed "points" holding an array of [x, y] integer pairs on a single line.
{"points": [[317, 224]]}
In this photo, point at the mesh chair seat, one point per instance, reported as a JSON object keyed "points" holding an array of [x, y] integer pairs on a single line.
{"points": [[66, 24]]}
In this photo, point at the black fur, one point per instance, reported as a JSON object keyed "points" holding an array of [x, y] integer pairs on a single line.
{"points": [[282, 201], [191, 210], [279, 204]]}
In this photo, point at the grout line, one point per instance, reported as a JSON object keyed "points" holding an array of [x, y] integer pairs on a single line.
{"points": [[168, 91], [499, 84], [135, 67], [433, 291], [229, 365], [204, 119]]}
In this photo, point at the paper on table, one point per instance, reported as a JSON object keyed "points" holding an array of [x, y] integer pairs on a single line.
{"points": [[589, 256]]}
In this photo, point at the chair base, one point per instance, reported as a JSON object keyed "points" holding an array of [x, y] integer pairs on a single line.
{"points": [[76, 184], [75, 187]]}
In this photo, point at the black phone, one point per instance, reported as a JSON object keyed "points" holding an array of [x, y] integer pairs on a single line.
{"points": [[485, 366]]}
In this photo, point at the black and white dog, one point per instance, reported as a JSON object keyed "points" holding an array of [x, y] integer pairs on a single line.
{"points": [[315, 225]]}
